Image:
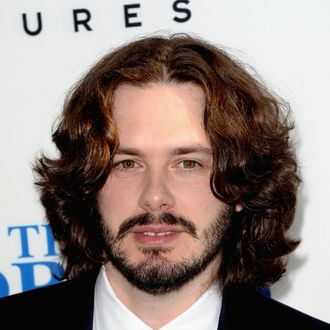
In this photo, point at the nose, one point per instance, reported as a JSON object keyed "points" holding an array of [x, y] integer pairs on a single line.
{"points": [[156, 196]]}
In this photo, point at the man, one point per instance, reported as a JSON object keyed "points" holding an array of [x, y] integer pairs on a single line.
{"points": [[170, 198]]}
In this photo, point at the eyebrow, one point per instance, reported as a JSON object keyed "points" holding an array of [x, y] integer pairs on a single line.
{"points": [[128, 151], [174, 152], [190, 150]]}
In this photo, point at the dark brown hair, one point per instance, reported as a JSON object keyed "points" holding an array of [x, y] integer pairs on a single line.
{"points": [[248, 128]]}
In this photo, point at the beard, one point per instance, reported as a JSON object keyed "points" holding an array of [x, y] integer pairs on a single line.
{"points": [[156, 274]]}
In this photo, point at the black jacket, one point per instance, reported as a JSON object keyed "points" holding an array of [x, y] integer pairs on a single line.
{"points": [[69, 306]]}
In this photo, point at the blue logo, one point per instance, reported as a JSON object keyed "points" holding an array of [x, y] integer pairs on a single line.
{"points": [[28, 264]]}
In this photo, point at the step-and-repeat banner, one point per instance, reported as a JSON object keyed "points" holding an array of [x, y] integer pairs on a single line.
{"points": [[47, 45]]}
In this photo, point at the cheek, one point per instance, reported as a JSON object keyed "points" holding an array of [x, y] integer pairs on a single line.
{"points": [[196, 201], [116, 200]]}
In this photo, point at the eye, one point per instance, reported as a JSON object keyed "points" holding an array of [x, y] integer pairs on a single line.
{"points": [[188, 167], [128, 164], [189, 164], [127, 168]]}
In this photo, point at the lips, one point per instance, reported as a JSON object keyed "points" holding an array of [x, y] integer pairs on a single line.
{"points": [[156, 235], [150, 233]]}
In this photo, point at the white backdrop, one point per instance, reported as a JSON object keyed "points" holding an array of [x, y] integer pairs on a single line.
{"points": [[287, 42]]}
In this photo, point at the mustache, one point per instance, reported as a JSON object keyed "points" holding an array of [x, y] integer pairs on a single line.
{"points": [[162, 219]]}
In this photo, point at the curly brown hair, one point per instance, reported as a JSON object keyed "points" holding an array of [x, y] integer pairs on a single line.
{"points": [[248, 127]]}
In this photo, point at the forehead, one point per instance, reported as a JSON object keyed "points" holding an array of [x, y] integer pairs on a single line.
{"points": [[159, 114]]}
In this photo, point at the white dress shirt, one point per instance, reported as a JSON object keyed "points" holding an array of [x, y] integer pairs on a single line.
{"points": [[111, 314]]}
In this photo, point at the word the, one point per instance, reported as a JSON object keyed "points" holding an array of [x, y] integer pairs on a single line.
{"points": [[27, 262]]}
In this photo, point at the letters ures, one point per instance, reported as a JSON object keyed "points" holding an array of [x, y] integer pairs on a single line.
{"points": [[82, 17]]}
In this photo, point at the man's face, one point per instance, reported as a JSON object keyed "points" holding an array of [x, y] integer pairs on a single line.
{"points": [[162, 224]]}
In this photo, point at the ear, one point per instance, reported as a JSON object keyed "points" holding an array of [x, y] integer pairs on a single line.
{"points": [[238, 207]]}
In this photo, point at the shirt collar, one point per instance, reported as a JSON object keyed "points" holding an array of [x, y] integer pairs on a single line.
{"points": [[111, 313]]}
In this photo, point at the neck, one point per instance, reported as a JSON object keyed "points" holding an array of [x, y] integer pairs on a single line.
{"points": [[158, 310]]}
